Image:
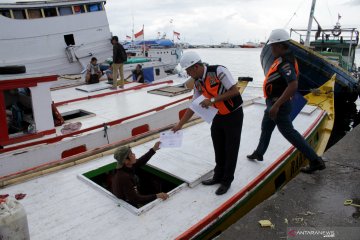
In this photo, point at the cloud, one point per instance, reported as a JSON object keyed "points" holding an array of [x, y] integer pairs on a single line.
{"points": [[216, 21], [353, 3]]}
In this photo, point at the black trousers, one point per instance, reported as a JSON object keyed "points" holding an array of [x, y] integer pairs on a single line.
{"points": [[226, 135], [94, 78]]}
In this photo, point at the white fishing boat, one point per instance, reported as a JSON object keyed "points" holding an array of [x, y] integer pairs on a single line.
{"points": [[99, 116], [77, 203], [60, 37]]}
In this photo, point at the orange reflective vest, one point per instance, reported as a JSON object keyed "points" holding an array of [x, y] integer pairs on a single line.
{"points": [[275, 84], [211, 87]]}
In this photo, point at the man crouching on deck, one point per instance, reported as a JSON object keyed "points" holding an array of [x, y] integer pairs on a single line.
{"points": [[220, 90], [125, 184]]}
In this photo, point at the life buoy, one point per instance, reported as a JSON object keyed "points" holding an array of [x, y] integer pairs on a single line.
{"points": [[336, 32], [15, 69]]}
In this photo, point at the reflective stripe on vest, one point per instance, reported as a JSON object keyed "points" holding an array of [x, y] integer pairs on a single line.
{"points": [[273, 75], [212, 87]]}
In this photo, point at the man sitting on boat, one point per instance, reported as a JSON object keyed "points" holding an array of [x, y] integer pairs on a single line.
{"points": [[138, 74], [93, 72], [126, 183], [280, 85]]}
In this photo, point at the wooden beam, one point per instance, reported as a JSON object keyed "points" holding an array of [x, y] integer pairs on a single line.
{"points": [[26, 14], [11, 13], [4, 136], [42, 13]]}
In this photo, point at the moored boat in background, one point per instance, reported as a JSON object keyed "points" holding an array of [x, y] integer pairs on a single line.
{"points": [[60, 37], [323, 59]]}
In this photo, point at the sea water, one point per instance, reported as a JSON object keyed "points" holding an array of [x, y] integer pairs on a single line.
{"points": [[243, 62]]}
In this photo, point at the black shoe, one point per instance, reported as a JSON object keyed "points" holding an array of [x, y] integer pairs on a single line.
{"points": [[222, 189], [254, 156], [210, 182], [318, 165]]}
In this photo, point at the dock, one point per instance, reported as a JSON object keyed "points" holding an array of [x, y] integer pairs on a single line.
{"points": [[315, 200]]}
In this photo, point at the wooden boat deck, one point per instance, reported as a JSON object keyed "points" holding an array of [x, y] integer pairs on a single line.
{"points": [[61, 206], [112, 107], [108, 105]]}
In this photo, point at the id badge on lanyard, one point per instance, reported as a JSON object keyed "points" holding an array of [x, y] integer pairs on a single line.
{"points": [[199, 85]]}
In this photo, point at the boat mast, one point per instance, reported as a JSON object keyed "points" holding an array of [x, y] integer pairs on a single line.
{"points": [[311, 17], [132, 36]]}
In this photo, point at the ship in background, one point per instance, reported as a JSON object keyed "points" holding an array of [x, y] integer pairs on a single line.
{"points": [[252, 45], [60, 37]]}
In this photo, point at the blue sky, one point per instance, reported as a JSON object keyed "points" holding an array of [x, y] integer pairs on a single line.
{"points": [[215, 21]]}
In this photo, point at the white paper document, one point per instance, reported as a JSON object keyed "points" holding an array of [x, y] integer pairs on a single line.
{"points": [[170, 139], [207, 114]]}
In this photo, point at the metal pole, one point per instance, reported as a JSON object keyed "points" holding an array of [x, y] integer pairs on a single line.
{"points": [[311, 17], [349, 55], [144, 46], [132, 36]]}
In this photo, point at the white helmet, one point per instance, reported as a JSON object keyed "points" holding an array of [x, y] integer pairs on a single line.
{"points": [[189, 59], [278, 35]]}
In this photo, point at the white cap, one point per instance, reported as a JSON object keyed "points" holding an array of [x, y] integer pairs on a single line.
{"points": [[189, 59], [278, 35]]}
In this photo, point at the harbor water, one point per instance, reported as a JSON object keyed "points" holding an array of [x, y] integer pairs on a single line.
{"points": [[243, 62]]}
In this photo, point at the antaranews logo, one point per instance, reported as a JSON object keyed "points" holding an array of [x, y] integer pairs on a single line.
{"points": [[293, 233]]}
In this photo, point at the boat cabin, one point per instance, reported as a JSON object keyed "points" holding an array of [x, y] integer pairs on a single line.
{"points": [[338, 45], [46, 9], [25, 108]]}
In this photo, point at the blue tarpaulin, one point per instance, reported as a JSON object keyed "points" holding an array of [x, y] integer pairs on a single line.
{"points": [[157, 42], [148, 75]]}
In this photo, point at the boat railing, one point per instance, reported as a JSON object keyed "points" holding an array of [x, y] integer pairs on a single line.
{"points": [[350, 35], [345, 40]]}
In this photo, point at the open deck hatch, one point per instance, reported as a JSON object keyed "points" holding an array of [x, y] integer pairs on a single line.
{"points": [[170, 91], [101, 179], [76, 114]]}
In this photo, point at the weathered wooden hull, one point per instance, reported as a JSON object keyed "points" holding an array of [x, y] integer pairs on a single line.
{"points": [[315, 70]]}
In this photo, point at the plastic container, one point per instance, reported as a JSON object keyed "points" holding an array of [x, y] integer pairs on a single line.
{"points": [[13, 221]]}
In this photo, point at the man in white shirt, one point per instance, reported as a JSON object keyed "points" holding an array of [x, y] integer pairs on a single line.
{"points": [[93, 72], [220, 90]]}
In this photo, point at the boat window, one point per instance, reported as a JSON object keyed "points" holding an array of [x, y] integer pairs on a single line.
{"points": [[151, 180], [5, 13], [64, 11], [19, 112], [19, 14], [79, 9], [34, 13], [94, 7], [69, 39], [50, 12], [76, 114]]}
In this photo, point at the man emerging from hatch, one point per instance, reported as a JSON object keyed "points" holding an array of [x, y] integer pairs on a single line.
{"points": [[126, 183]]}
